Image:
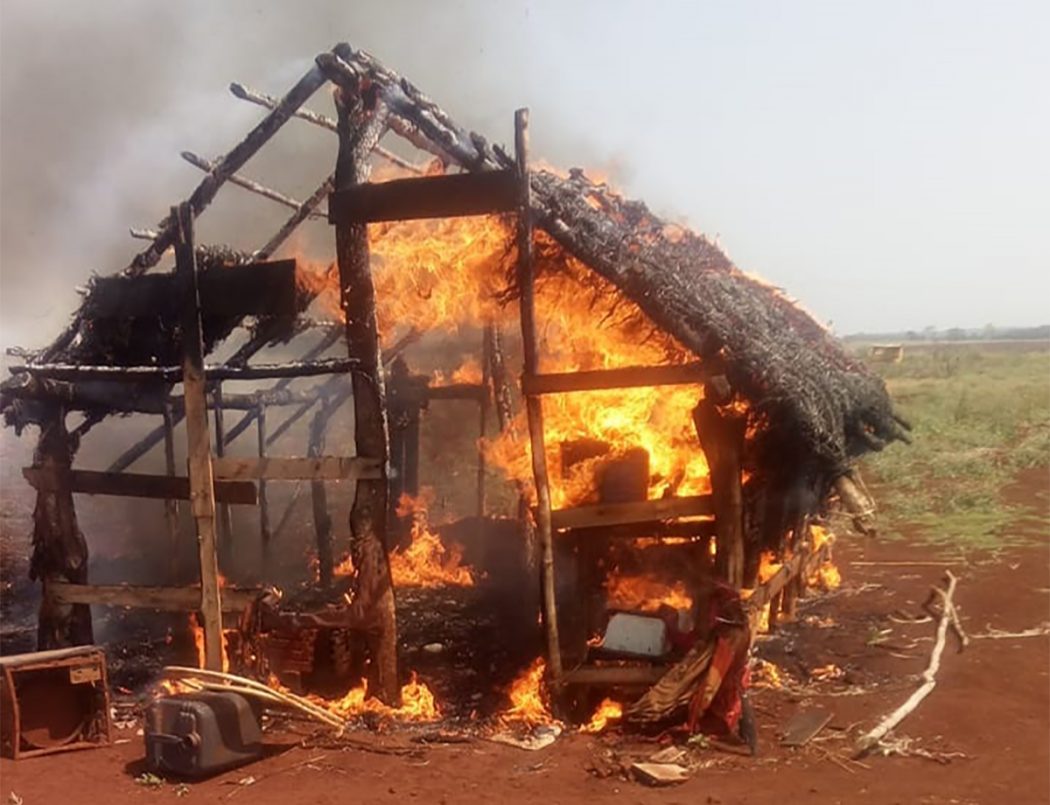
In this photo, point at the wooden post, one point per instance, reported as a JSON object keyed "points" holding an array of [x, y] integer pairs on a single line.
{"points": [[264, 506], [483, 413], [202, 490], [721, 434], [533, 404], [362, 121], [59, 551], [225, 531], [319, 498], [171, 506]]}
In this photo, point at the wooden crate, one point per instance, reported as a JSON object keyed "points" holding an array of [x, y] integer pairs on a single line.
{"points": [[54, 701]]}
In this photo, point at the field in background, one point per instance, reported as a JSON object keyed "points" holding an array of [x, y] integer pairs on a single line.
{"points": [[981, 415]]}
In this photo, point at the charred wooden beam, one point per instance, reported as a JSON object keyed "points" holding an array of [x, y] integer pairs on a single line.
{"points": [[721, 434], [163, 599], [207, 166], [448, 196], [631, 675], [264, 502], [172, 374], [268, 101], [362, 123], [134, 485], [60, 552], [229, 164], [621, 378], [319, 499]]}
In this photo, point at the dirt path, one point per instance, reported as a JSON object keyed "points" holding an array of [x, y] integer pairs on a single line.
{"points": [[992, 704]]}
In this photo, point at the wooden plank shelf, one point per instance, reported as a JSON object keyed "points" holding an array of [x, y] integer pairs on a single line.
{"points": [[622, 378], [643, 511], [426, 197]]}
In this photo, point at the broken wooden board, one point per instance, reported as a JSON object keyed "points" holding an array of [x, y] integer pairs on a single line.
{"points": [[804, 726], [660, 773]]}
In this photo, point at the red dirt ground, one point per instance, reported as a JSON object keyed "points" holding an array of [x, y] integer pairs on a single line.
{"points": [[992, 703]]}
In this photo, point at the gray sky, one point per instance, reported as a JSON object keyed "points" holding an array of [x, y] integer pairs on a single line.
{"points": [[887, 163]]}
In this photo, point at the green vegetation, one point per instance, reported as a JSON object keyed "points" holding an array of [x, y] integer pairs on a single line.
{"points": [[981, 414]]}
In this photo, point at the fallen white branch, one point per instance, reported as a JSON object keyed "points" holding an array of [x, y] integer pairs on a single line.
{"points": [[999, 634], [871, 739]]}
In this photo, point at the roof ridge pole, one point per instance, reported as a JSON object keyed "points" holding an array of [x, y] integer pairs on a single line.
{"points": [[533, 404]]}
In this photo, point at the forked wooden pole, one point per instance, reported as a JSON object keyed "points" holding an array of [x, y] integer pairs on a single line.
{"points": [[533, 404], [202, 489], [362, 122]]}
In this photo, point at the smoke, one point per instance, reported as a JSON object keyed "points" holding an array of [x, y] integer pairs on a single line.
{"points": [[99, 99]]}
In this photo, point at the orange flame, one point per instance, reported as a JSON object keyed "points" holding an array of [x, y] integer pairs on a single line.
{"points": [[827, 576], [198, 642], [608, 710], [426, 562], [442, 274], [417, 702], [644, 593], [527, 701]]}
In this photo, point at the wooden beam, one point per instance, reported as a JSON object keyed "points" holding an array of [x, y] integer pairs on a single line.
{"points": [[622, 378], [207, 165], [165, 599], [251, 289], [477, 392], [172, 374], [533, 404], [202, 486], [642, 511], [361, 125], [229, 164], [264, 503], [135, 485], [324, 468], [446, 196]]}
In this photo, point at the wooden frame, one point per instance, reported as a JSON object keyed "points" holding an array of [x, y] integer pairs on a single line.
{"points": [[320, 468]]}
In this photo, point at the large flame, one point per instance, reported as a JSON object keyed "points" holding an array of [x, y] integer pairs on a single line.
{"points": [[417, 702], [426, 562], [444, 274], [527, 700], [644, 593]]}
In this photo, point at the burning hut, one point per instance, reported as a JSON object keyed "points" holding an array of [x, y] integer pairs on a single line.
{"points": [[676, 418]]}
